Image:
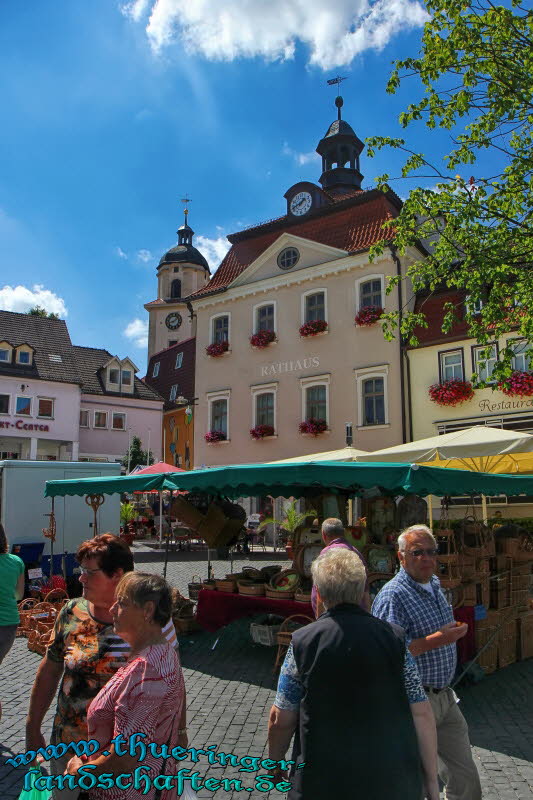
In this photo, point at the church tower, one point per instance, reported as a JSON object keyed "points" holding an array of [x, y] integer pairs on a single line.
{"points": [[340, 150], [182, 270]]}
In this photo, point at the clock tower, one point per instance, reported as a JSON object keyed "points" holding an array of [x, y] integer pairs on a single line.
{"points": [[181, 271]]}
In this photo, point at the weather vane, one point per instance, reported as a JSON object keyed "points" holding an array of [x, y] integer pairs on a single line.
{"points": [[336, 81], [338, 100], [186, 200]]}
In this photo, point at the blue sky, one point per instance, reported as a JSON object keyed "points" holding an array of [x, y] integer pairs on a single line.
{"points": [[112, 111]]}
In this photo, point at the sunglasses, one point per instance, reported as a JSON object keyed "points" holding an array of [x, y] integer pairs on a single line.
{"points": [[431, 551]]}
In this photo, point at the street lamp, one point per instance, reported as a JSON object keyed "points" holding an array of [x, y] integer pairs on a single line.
{"points": [[349, 434]]}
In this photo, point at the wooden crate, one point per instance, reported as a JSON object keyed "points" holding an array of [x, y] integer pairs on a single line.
{"points": [[524, 629], [476, 593], [507, 644], [519, 598], [488, 660], [500, 592]]}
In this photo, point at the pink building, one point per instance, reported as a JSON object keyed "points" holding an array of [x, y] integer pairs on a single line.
{"points": [[68, 403]]}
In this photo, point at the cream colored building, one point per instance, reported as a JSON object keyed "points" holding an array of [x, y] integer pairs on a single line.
{"points": [[310, 265]]}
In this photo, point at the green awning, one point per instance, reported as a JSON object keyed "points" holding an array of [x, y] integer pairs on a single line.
{"points": [[307, 479]]}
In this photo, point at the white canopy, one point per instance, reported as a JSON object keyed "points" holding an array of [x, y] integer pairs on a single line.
{"points": [[344, 454]]}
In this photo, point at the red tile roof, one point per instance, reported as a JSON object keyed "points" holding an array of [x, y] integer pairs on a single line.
{"points": [[353, 227], [432, 306]]}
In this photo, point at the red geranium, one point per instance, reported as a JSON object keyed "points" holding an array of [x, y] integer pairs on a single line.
{"points": [[260, 431], [451, 393], [520, 384], [368, 315], [217, 348], [262, 338], [314, 426], [215, 436], [314, 327]]}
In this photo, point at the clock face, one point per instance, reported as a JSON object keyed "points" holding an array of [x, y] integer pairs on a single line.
{"points": [[173, 321], [301, 203]]}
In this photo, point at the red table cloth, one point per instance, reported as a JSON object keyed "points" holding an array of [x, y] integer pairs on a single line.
{"points": [[216, 609], [466, 647]]}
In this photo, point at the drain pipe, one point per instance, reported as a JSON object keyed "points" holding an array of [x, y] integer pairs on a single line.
{"points": [[394, 253]]}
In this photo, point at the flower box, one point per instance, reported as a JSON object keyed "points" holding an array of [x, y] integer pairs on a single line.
{"points": [[262, 338], [451, 393], [260, 431], [314, 327], [215, 436], [314, 426], [217, 349], [519, 384], [368, 315]]}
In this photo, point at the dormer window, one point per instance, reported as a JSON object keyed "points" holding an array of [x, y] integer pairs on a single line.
{"points": [[23, 357], [5, 355], [114, 376], [126, 377]]}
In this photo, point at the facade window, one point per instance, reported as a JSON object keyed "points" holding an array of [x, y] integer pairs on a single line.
{"points": [[221, 329], [473, 306], [483, 367], [5, 355], [316, 402], [371, 293], [155, 371], [126, 377], [373, 401], [23, 357], [114, 376], [315, 307], [175, 288], [172, 342], [4, 404], [264, 318], [84, 418], [100, 419], [179, 360], [23, 406], [46, 407], [521, 360], [174, 391], [219, 416], [264, 409], [451, 366], [288, 258], [119, 421]]}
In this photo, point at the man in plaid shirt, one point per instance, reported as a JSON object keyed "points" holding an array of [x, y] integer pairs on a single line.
{"points": [[413, 599]]}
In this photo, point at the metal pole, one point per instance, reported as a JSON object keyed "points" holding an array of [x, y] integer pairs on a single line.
{"points": [[148, 453], [129, 449], [168, 537], [160, 516]]}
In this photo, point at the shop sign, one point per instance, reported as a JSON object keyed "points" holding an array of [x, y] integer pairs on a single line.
{"points": [[279, 367], [20, 425], [505, 405]]}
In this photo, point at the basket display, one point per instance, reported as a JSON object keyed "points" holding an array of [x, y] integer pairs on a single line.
{"points": [[278, 594], [286, 581], [226, 585], [302, 597], [251, 589], [210, 585], [194, 587], [264, 634]]}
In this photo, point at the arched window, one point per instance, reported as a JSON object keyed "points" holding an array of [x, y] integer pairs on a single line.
{"points": [[175, 288]]}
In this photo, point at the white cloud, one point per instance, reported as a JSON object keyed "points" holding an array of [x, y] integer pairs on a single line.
{"points": [[137, 332], [144, 255], [300, 158], [120, 252], [213, 249], [224, 31], [21, 299]]}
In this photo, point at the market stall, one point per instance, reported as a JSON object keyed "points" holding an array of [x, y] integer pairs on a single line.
{"points": [[473, 580]]}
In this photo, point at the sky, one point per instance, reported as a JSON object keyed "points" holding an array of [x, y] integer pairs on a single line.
{"points": [[113, 111]]}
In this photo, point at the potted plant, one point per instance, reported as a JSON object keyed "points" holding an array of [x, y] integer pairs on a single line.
{"points": [[314, 327], [262, 338], [451, 393], [519, 384], [368, 315], [217, 348], [313, 426], [212, 437], [291, 521], [260, 431]]}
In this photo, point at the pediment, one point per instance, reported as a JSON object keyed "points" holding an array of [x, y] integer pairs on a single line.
{"points": [[265, 266]]}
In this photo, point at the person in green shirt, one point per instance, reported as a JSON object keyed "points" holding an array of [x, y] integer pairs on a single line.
{"points": [[11, 590]]}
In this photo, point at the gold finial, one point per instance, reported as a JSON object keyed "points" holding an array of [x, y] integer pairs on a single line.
{"points": [[186, 200]]}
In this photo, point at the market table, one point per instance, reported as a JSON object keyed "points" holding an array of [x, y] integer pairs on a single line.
{"points": [[216, 609]]}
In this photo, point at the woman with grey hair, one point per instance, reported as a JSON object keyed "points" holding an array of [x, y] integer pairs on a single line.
{"points": [[146, 696], [345, 681]]}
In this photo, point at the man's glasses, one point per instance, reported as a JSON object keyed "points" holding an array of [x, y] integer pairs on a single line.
{"points": [[84, 571], [430, 551]]}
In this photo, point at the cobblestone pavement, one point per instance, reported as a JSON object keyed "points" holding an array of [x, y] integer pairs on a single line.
{"points": [[231, 686]]}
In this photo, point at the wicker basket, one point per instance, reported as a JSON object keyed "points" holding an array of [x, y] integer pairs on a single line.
{"points": [[185, 623], [264, 634], [226, 585], [302, 597], [252, 574], [57, 597], [251, 589], [194, 587], [287, 578], [278, 594], [210, 585]]}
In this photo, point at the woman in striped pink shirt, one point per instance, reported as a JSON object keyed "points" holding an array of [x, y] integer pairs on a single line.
{"points": [[146, 696]]}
